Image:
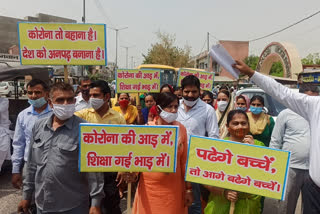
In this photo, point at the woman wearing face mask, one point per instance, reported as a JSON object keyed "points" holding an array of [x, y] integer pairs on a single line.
{"points": [[220, 199], [149, 101], [208, 98], [225, 105], [242, 103], [164, 192], [131, 114], [261, 124]]}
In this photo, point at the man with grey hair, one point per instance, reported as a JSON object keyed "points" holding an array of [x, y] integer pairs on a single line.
{"points": [[82, 100], [292, 133]]}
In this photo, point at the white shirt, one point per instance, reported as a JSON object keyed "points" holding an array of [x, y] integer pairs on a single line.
{"points": [[292, 133], [81, 103], [304, 105], [199, 120]]}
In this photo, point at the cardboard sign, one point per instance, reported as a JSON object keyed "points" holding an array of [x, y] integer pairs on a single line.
{"points": [[206, 78], [62, 44], [135, 80], [237, 166], [116, 148]]}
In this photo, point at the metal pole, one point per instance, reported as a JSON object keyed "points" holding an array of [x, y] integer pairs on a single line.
{"points": [[84, 21], [127, 49], [132, 62], [208, 56], [116, 47]]}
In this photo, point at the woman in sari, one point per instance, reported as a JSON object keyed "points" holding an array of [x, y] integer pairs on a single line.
{"points": [[220, 199], [225, 105], [157, 192], [131, 114], [261, 124]]}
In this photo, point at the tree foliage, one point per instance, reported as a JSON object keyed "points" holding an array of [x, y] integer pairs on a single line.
{"points": [[165, 52], [276, 69], [252, 61], [311, 59]]}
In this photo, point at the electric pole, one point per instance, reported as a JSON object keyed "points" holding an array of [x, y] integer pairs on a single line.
{"points": [[117, 31], [127, 55], [208, 47]]}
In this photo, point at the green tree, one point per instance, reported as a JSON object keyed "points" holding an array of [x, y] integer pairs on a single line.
{"points": [[165, 52], [252, 61], [276, 69], [311, 59]]}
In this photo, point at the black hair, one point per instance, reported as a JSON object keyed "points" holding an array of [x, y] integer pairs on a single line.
{"points": [[177, 88], [224, 92], [190, 80], [307, 87], [150, 94], [35, 82], [164, 99], [234, 112], [167, 86], [241, 97], [224, 87], [103, 85], [85, 78], [207, 93], [123, 93], [257, 97]]}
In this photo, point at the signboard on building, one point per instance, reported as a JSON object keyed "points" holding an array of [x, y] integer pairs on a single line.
{"points": [[118, 148], [9, 58], [62, 44], [237, 166]]}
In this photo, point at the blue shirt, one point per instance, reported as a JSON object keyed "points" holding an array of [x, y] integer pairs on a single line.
{"points": [[145, 113], [22, 135]]}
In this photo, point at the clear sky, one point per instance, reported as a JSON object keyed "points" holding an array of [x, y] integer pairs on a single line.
{"points": [[189, 20]]}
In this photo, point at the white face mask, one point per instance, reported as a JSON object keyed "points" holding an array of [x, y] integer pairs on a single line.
{"points": [[63, 112], [168, 116], [96, 103], [222, 105], [190, 103]]}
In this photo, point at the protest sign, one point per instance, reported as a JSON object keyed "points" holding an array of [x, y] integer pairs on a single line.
{"points": [[206, 78], [237, 166], [116, 148], [138, 80], [62, 44]]}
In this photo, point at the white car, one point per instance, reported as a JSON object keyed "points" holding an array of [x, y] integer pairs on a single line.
{"points": [[7, 89], [272, 106]]}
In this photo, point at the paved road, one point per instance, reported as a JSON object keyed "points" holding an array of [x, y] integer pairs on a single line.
{"points": [[10, 197]]}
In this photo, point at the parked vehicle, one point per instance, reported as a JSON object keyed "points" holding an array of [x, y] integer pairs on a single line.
{"points": [[8, 89], [272, 106]]}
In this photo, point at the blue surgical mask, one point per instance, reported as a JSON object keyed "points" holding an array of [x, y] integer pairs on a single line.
{"points": [[255, 110], [38, 102], [241, 108]]}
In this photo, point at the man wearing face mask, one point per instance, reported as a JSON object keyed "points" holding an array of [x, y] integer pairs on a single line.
{"points": [[82, 100], [102, 113], [199, 119], [37, 92], [52, 168]]}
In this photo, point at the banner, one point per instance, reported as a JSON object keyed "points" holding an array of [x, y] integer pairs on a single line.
{"points": [[236, 166], [116, 148], [135, 80], [206, 78], [62, 44]]}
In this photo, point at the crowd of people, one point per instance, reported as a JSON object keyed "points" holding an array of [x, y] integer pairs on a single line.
{"points": [[45, 146]]}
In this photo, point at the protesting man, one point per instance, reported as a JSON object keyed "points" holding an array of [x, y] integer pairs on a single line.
{"points": [[308, 108], [52, 167], [292, 133], [5, 133], [37, 92], [102, 113], [82, 100], [199, 119]]}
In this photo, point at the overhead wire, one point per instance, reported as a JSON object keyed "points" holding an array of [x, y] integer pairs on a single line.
{"points": [[283, 29]]}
